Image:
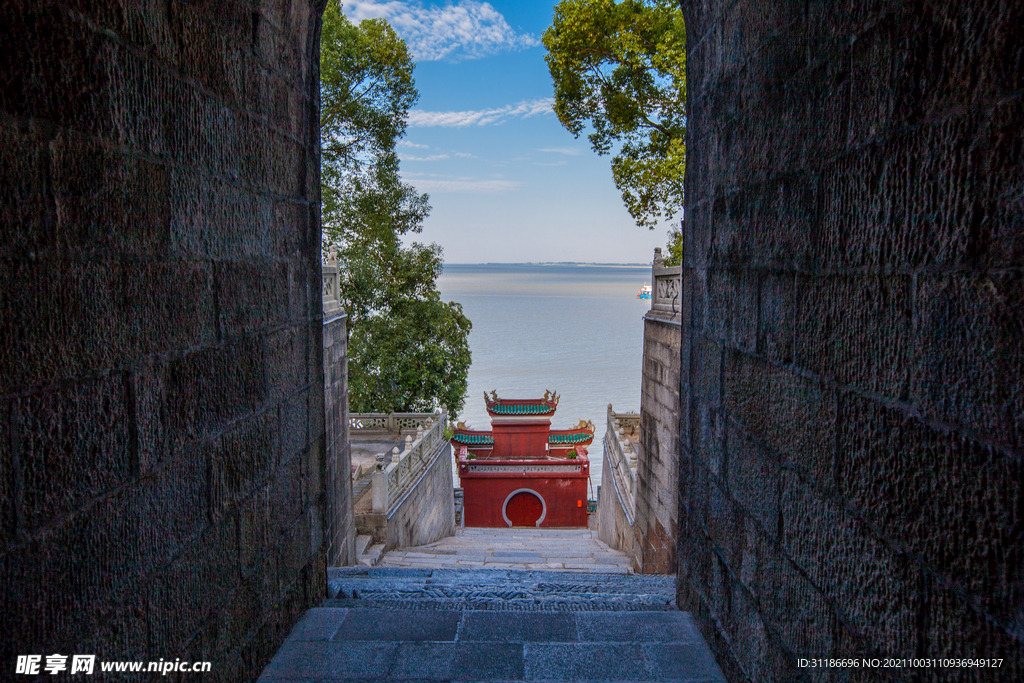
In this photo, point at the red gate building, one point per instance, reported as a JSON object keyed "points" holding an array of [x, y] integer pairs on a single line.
{"points": [[521, 472]]}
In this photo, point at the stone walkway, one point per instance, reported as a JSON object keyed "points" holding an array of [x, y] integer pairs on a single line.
{"points": [[400, 624], [577, 550]]}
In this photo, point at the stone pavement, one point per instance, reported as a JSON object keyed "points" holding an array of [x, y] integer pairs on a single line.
{"points": [[400, 624], [576, 550]]}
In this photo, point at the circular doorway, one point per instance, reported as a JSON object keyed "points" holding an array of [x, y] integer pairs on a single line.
{"points": [[524, 507]]}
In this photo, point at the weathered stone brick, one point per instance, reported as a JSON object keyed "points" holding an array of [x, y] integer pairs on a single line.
{"points": [[7, 477], [733, 308], [189, 592], [793, 607], [858, 331], [288, 497], [182, 490], [148, 395], [706, 370], [105, 314], [140, 149], [245, 461], [31, 33], [74, 445], [294, 419], [970, 371], [777, 312], [215, 218], [955, 628], [126, 208], [863, 159], [255, 534], [285, 354], [962, 523], [206, 389], [293, 554], [725, 524], [24, 202], [754, 477], [871, 585], [794, 416], [252, 296]]}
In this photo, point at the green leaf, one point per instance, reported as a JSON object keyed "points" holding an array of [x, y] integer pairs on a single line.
{"points": [[620, 68]]}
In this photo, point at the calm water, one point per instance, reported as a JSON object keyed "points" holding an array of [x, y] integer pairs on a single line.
{"points": [[577, 330]]}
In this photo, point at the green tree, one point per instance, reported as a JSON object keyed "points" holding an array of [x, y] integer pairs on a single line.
{"points": [[621, 68], [675, 247], [408, 350]]}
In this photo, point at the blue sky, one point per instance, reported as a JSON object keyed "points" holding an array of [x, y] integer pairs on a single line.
{"points": [[507, 183]]}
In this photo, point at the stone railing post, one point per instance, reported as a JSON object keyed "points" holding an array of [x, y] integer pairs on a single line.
{"points": [[666, 287], [379, 485], [331, 285]]}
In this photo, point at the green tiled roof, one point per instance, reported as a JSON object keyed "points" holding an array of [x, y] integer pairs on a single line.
{"points": [[473, 439], [578, 437], [528, 409]]}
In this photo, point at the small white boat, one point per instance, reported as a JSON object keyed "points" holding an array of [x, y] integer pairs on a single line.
{"points": [[644, 293]]}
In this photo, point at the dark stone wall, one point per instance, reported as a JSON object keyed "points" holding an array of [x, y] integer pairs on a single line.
{"points": [[657, 499], [852, 412], [161, 391]]}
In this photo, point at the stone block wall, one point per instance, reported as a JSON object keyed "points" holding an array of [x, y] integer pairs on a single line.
{"points": [[657, 494], [852, 413], [340, 522], [426, 513], [161, 397], [614, 527]]}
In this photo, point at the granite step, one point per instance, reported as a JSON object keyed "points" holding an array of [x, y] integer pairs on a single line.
{"points": [[393, 624], [498, 590]]}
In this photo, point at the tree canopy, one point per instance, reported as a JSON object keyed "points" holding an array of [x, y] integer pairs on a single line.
{"points": [[408, 350], [621, 68]]}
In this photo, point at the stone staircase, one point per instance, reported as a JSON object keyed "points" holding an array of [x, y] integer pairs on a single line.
{"points": [[402, 624], [368, 553]]}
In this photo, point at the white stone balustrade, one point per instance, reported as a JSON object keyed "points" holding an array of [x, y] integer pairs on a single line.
{"points": [[390, 482], [393, 423], [621, 454], [330, 278], [666, 289]]}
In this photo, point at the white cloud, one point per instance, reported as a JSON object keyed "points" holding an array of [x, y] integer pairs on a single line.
{"points": [[466, 29], [465, 155], [432, 157], [467, 186], [406, 143], [481, 117], [568, 151]]}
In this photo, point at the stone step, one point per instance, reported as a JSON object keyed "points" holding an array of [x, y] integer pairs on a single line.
{"points": [[497, 590], [363, 541], [373, 644], [372, 556]]}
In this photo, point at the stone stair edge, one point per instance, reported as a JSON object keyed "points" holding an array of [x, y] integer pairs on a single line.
{"points": [[553, 606], [550, 575]]}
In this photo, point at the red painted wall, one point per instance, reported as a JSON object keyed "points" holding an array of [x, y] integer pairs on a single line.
{"points": [[564, 493], [519, 439]]}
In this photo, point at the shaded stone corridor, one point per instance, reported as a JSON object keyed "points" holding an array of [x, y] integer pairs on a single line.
{"points": [[851, 414]]}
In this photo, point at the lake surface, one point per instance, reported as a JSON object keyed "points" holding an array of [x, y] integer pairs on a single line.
{"points": [[577, 330]]}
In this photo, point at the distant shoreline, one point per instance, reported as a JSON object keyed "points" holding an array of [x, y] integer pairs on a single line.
{"points": [[557, 263]]}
